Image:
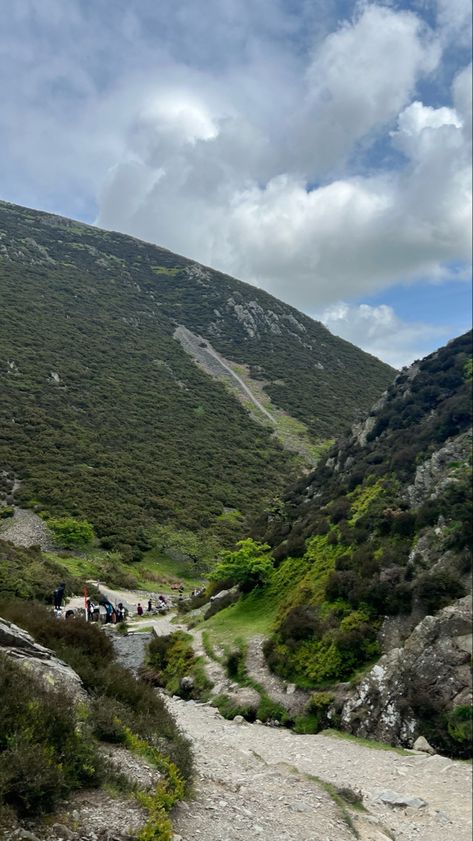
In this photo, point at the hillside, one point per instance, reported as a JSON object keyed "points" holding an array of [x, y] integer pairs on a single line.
{"points": [[105, 416], [369, 557]]}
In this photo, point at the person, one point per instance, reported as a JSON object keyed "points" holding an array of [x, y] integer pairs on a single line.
{"points": [[150, 605], [120, 612], [58, 596], [69, 614], [139, 609]]}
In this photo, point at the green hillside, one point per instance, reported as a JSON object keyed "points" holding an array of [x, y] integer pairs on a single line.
{"points": [[378, 536], [105, 416]]}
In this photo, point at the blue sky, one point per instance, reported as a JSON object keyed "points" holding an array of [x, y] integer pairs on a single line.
{"points": [[318, 149]]}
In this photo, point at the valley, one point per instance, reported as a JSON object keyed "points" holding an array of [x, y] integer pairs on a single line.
{"points": [[306, 512]]}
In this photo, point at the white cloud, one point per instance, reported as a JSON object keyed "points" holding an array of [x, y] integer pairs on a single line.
{"points": [[361, 76], [454, 20], [234, 136], [379, 331]]}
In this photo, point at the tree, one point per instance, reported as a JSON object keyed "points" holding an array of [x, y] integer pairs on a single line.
{"points": [[250, 565], [71, 533]]}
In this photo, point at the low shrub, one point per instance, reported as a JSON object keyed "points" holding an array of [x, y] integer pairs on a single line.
{"points": [[435, 590], [90, 652], [45, 751], [229, 709], [170, 659]]}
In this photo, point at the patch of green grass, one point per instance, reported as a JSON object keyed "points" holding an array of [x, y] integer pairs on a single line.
{"points": [[365, 743], [252, 614]]}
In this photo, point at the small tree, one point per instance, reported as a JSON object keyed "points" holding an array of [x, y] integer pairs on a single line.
{"points": [[250, 565], [71, 533]]}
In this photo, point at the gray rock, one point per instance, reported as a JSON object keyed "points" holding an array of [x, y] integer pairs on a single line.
{"points": [[430, 656], [187, 683], [422, 744], [393, 798], [63, 831], [290, 688], [21, 647], [27, 835], [238, 719]]}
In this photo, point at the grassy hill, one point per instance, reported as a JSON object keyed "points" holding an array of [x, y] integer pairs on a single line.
{"points": [[105, 416]]}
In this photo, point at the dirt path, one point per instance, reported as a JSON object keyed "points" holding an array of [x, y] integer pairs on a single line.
{"points": [[248, 786], [254, 781], [203, 352]]}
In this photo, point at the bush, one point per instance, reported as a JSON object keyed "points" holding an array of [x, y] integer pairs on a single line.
{"points": [[459, 725], [170, 659], [438, 589], [45, 752], [250, 565], [71, 533]]}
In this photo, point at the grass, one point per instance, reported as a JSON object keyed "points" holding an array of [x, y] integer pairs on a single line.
{"points": [[365, 743], [150, 574], [251, 615]]}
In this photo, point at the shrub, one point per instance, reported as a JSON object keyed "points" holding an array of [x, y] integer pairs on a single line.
{"points": [[250, 565], [71, 533], [459, 725], [438, 589], [44, 752], [172, 658], [300, 623]]}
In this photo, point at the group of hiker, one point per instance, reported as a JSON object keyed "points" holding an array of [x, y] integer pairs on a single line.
{"points": [[104, 610], [161, 606]]}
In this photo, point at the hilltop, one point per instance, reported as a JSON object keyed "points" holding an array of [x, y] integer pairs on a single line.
{"points": [[139, 387]]}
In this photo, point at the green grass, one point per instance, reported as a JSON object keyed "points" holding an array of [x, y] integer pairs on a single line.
{"points": [[251, 615], [365, 743], [149, 574]]}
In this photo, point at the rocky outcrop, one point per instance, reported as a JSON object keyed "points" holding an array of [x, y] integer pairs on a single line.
{"points": [[20, 646], [434, 662], [437, 472]]}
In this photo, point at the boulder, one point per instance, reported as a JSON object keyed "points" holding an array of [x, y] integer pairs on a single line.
{"points": [[393, 798], [21, 647], [422, 744]]}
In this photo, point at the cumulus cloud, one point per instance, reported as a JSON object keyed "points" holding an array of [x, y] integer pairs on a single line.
{"points": [[240, 137], [379, 331], [201, 195]]}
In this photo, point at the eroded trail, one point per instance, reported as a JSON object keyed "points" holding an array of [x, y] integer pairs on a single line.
{"points": [[254, 781]]}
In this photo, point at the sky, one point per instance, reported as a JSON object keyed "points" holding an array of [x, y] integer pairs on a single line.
{"points": [[318, 149]]}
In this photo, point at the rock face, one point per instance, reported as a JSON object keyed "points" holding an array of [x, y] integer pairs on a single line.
{"points": [[434, 661], [20, 646]]}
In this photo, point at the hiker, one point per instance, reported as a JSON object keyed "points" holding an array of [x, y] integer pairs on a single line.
{"points": [[120, 612], [150, 605], [139, 609], [58, 596]]}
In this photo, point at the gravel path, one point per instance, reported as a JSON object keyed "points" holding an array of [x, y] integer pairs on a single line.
{"points": [[251, 784], [257, 782]]}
